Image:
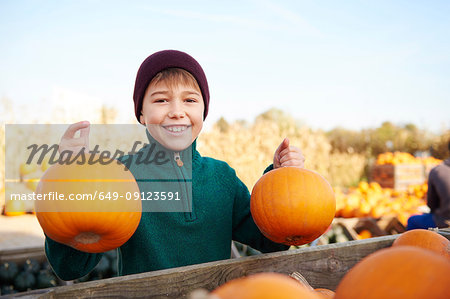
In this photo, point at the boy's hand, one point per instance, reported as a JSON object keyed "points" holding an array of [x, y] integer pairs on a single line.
{"points": [[286, 155], [70, 143]]}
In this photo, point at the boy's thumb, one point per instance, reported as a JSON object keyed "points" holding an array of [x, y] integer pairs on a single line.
{"points": [[84, 133], [286, 142]]}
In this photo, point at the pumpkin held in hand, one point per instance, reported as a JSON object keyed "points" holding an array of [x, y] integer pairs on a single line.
{"points": [[96, 215], [292, 206]]}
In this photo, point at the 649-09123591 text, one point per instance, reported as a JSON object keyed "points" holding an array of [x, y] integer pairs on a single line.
{"points": [[53, 195]]}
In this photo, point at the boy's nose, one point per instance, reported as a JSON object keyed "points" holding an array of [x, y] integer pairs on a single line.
{"points": [[176, 111]]}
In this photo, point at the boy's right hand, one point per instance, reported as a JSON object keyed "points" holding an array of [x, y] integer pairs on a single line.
{"points": [[72, 144]]}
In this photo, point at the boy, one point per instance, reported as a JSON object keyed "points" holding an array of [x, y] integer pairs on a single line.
{"points": [[171, 99]]}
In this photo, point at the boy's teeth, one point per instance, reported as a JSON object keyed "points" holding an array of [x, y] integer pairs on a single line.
{"points": [[176, 129]]}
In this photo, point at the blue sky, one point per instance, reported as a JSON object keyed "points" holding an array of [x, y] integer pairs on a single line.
{"points": [[352, 64]]}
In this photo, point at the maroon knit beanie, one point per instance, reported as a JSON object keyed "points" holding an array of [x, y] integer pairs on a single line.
{"points": [[162, 60]]}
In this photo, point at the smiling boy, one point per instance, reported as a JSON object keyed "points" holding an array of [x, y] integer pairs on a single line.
{"points": [[171, 99]]}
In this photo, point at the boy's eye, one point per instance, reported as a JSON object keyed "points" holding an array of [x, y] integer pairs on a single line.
{"points": [[190, 100], [160, 100]]}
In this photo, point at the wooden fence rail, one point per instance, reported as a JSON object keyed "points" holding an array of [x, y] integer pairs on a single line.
{"points": [[323, 266]]}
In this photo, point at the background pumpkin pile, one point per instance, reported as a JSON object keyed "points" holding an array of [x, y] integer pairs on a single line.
{"points": [[397, 158], [370, 200]]}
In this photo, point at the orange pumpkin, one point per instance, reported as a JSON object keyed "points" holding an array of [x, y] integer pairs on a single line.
{"points": [[292, 206], [103, 220], [264, 286], [426, 239], [397, 272], [325, 293]]}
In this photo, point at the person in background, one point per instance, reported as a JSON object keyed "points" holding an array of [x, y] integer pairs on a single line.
{"points": [[438, 199]]}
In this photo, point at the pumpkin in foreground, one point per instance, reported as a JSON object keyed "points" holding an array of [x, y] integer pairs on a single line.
{"points": [[292, 206], [97, 225], [397, 272], [426, 239], [264, 286], [325, 293]]}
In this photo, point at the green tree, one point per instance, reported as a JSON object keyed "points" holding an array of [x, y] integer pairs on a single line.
{"points": [[439, 148]]}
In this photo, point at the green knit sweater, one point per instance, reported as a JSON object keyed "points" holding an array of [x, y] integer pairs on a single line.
{"points": [[220, 212]]}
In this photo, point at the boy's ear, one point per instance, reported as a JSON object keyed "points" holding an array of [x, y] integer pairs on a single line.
{"points": [[141, 119]]}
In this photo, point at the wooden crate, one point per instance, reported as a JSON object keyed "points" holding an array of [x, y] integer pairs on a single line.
{"points": [[20, 255], [398, 177], [391, 225], [323, 266], [386, 225], [353, 226]]}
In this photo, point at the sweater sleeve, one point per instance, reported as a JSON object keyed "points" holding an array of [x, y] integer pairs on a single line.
{"points": [[269, 168], [244, 228], [69, 263]]}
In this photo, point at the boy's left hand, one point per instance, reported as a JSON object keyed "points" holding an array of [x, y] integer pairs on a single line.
{"points": [[286, 155]]}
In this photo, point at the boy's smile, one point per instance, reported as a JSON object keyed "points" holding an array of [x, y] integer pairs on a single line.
{"points": [[173, 114], [176, 130]]}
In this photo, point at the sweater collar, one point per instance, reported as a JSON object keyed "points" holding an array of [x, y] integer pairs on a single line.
{"points": [[184, 153]]}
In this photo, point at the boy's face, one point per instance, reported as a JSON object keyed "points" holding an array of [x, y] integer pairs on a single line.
{"points": [[173, 115]]}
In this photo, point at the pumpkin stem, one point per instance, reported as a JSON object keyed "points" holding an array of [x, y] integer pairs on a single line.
{"points": [[301, 279], [87, 238]]}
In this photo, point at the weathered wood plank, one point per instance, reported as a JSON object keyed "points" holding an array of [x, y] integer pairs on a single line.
{"points": [[322, 266], [20, 255]]}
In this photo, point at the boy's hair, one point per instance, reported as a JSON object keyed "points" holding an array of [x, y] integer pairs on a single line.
{"points": [[174, 76]]}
